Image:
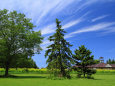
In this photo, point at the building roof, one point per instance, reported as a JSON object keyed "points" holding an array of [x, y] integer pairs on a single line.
{"points": [[100, 65], [113, 65]]}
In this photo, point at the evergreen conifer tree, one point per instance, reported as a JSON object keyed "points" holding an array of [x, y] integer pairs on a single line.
{"points": [[59, 53]]}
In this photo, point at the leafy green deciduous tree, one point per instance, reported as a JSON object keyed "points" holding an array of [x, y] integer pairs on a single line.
{"points": [[22, 63], [17, 38], [83, 59], [59, 53], [25, 63]]}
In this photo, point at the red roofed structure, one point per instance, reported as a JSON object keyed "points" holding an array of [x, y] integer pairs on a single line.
{"points": [[100, 66], [103, 66]]}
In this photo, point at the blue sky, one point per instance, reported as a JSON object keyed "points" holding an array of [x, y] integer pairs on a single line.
{"points": [[87, 22]]}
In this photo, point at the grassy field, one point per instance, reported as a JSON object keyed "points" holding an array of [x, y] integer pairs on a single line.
{"points": [[42, 80]]}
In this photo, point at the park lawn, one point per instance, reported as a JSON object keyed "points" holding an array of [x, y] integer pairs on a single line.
{"points": [[42, 80]]}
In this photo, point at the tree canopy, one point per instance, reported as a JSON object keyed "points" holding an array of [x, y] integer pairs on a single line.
{"points": [[83, 59], [17, 38]]}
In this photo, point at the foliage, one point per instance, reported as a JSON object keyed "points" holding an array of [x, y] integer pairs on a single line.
{"points": [[59, 53], [17, 38], [83, 59], [25, 70], [105, 71], [110, 61], [23, 63], [97, 61]]}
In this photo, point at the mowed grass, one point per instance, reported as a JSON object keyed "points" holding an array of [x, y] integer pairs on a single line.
{"points": [[42, 80]]}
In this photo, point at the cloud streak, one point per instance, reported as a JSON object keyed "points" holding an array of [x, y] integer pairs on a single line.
{"points": [[45, 44], [97, 27], [48, 29], [71, 23], [99, 18], [52, 27], [109, 30]]}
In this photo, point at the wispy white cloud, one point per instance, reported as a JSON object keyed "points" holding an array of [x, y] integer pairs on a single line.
{"points": [[97, 27], [109, 30], [99, 18], [84, 5], [52, 7], [47, 7], [52, 27], [46, 43], [44, 47], [87, 3], [63, 4], [75, 22], [38, 9], [48, 29], [106, 0], [71, 23]]}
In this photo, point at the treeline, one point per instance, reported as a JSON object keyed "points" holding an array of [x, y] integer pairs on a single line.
{"points": [[110, 61]]}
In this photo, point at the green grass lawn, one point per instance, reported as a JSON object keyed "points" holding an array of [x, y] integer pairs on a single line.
{"points": [[41, 80]]}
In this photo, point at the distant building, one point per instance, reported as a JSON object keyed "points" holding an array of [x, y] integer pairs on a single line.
{"points": [[101, 59], [100, 66]]}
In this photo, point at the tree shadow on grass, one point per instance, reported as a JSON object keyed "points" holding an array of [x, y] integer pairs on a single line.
{"points": [[34, 77], [97, 79], [91, 78], [21, 77]]}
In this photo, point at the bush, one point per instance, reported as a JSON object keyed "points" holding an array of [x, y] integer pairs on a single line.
{"points": [[109, 71], [25, 70]]}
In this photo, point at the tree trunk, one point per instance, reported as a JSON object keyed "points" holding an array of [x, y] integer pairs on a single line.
{"points": [[83, 71], [84, 75], [6, 69], [63, 72]]}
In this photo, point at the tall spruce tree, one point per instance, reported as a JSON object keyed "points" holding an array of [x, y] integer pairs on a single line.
{"points": [[83, 59], [59, 53]]}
